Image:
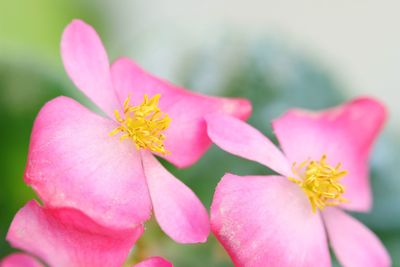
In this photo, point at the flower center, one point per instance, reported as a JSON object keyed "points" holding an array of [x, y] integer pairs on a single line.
{"points": [[144, 124], [320, 182]]}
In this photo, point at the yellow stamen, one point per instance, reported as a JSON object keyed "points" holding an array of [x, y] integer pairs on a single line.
{"points": [[143, 124], [320, 182]]}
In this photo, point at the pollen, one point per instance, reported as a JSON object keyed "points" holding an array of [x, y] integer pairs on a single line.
{"points": [[144, 124], [320, 182]]}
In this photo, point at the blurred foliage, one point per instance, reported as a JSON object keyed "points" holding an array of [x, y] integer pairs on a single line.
{"points": [[33, 28], [274, 77]]}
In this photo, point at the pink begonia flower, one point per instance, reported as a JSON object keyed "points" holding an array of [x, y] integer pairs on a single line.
{"points": [[104, 165], [24, 260], [65, 237], [20, 260], [281, 220]]}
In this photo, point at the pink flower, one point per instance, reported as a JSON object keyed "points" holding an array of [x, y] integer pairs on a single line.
{"points": [[104, 165], [65, 237], [20, 260], [286, 219]]}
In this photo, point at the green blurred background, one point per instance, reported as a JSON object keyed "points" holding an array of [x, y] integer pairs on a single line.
{"points": [[210, 50]]}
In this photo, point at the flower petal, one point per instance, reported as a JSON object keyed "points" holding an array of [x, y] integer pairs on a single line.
{"points": [[267, 221], [345, 134], [241, 139], [74, 162], [20, 260], [177, 209], [86, 63], [354, 244], [154, 262], [186, 137], [65, 237]]}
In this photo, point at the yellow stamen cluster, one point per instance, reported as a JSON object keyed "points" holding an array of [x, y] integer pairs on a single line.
{"points": [[320, 182], [144, 124]]}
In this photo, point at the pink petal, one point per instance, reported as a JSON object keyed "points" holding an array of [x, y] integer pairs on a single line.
{"points": [[354, 244], [66, 237], [186, 137], [241, 139], [154, 262], [74, 162], [86, 62], [178, 211], [345, 134], [20, 260], [267, 221]]}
